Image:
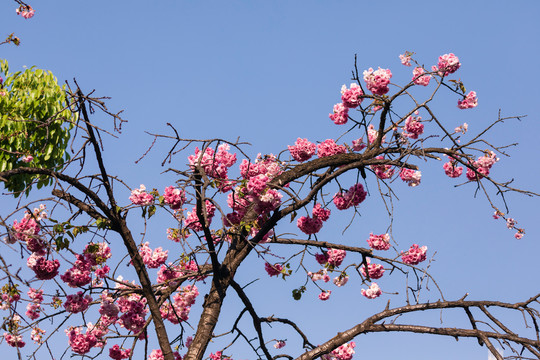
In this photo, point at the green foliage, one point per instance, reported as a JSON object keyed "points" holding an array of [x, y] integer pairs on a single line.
{"points": [[35, 120]]}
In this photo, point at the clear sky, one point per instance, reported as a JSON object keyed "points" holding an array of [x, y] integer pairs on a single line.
{"points": [[269, 72]]}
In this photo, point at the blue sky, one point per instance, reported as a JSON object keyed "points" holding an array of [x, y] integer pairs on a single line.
{"points": [[269, 72]]}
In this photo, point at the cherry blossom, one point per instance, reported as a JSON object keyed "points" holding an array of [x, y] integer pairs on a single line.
{"points": [[377, 81], [302, 150], [414, 255], [340, 114], [141, 197], [374, 291], [448, 64], [273, 270], [419, 78], [329, 148], [351, 97], [325, 295], [470, 101], [411, 177]]}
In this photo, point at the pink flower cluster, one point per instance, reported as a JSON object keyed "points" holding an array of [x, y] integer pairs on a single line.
{"points": [[321, 274], [411, 177], [377, 81], [273, 270], [352, 97], [25, 11], [81, 343], [375, 271], [373, 134], [451, 168], [180, 307], [483, 165], [14, 340], [415, 255], [383, 171], [302, 150], [153, 259], [173, 197], [329, 148], [470, 101], [325, 295], [33, 309], [43, 268], [27, 159], [158, 355], [141, 197], [77, 303], [406, 58], [332, 257], [448, 64], [192, 220], [413, 127], [214, 164], [118, 353], [352, 197], [340, 280], [419, 78], [279, 344], [374, 291], [78, 275], [265, 200], [340, 114], [345, 351], [312, 225]]}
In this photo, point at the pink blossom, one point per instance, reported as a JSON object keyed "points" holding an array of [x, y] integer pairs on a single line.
{"points": [[44, 269], [77, 303], [415, 255], [279, 344], [257, 184], [78, 275], [118, 353], [448, 64], [25, 11], [405, 58], [320, 275], [413, 127], [462, 128], [335, 256], [35, 295], [419, 78], [351, 97], [358, 145], [383, 171], [411, 177], [345, 351], [192, 220], [175, 198], [141, 197], [377, 81], [309, 225], [373, 134], [81, 343], [27, 158], [374, 291], [325, 295], [329, 148], [470, 101], [321, 258], [320, 213], [37, 334], [214, 164], [340, 280], [153, 259], [14, 340], [33, 311], [340, 114], [510, 223], [518, 235], [375, 271], [451, 169], [379, 242], [302, 150], [273, 270], [352, 197], [158, 355]]}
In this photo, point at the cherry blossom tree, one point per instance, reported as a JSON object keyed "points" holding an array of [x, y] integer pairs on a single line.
{"points": [[75, 271]]}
